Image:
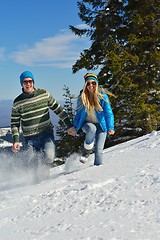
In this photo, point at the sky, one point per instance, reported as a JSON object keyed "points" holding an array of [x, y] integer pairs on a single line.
{"points": [[35, 36], [116, 201]]}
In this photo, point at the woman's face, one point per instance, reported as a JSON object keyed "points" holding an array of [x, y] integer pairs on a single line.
{"points": [[91, 86]]}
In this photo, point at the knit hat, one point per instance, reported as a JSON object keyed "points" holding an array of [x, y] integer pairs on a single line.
{"points": [[90, 76], [26, 74]]}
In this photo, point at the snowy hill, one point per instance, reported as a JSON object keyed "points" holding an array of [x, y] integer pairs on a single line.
{"points": [[117, 201]]}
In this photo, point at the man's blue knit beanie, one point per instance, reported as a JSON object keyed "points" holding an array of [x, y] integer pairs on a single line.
{"points": [[26, 74]]}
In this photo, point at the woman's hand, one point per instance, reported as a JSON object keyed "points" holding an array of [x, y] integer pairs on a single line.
{"points": [[111, 132], [72, 131]]}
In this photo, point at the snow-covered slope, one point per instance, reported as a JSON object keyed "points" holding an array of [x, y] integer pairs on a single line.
{"points": [[117, 201]]}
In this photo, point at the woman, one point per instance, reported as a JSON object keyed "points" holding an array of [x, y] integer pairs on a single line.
{"points": [[95, 117]]}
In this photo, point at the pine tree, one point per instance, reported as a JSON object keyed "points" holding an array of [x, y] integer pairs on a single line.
{"points": [[66, 144], [125, 44]]}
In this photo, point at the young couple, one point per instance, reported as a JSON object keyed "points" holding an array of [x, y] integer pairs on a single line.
{"points": [[30, 110]]}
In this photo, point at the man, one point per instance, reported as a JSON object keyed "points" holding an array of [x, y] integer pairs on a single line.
{"points": [[31, 111]]}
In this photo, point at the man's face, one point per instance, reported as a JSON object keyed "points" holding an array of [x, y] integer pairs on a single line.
{"points": [[28, 85]]}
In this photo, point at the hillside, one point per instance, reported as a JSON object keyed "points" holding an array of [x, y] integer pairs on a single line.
{"points": [[119, 200]]}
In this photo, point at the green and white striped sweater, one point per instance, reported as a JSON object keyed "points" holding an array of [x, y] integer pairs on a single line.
{"points": [[31, 112]]}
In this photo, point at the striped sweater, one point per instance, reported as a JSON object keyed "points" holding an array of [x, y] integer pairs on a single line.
{"points": [[31, 112]]}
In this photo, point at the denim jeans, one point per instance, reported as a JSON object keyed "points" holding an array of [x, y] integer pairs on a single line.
{"points": [[94, 133], [43, 145]]}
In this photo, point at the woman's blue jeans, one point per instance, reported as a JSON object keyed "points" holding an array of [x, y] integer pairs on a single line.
{"points": [[43, 145], [93, 133]]}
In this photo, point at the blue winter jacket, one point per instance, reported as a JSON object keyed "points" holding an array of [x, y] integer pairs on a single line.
{"points": [[105, 117]]}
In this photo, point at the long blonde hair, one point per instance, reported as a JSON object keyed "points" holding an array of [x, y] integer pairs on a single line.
{"points": [[92, 101]]}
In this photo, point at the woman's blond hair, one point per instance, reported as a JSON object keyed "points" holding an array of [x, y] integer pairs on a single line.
{"points": [[92, 102]]}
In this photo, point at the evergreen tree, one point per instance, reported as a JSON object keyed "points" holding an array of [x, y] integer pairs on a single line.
{"points": [[125, 44], [66, 144]]}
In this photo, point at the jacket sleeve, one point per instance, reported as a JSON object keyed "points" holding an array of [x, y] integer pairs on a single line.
{"points": [[109, 116], [78, 113]]}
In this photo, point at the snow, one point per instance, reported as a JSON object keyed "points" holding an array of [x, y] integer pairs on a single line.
{"points": [[5, 143], [119, 200]]}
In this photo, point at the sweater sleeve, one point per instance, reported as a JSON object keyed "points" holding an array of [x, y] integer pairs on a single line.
{"points": [[15, 123]]}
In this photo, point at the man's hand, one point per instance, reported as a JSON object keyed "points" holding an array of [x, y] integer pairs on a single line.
{"points": [[15, 147], [72, 131]]}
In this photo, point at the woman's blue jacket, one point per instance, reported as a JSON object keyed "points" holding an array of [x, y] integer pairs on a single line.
{"points": [[105, 117]]}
